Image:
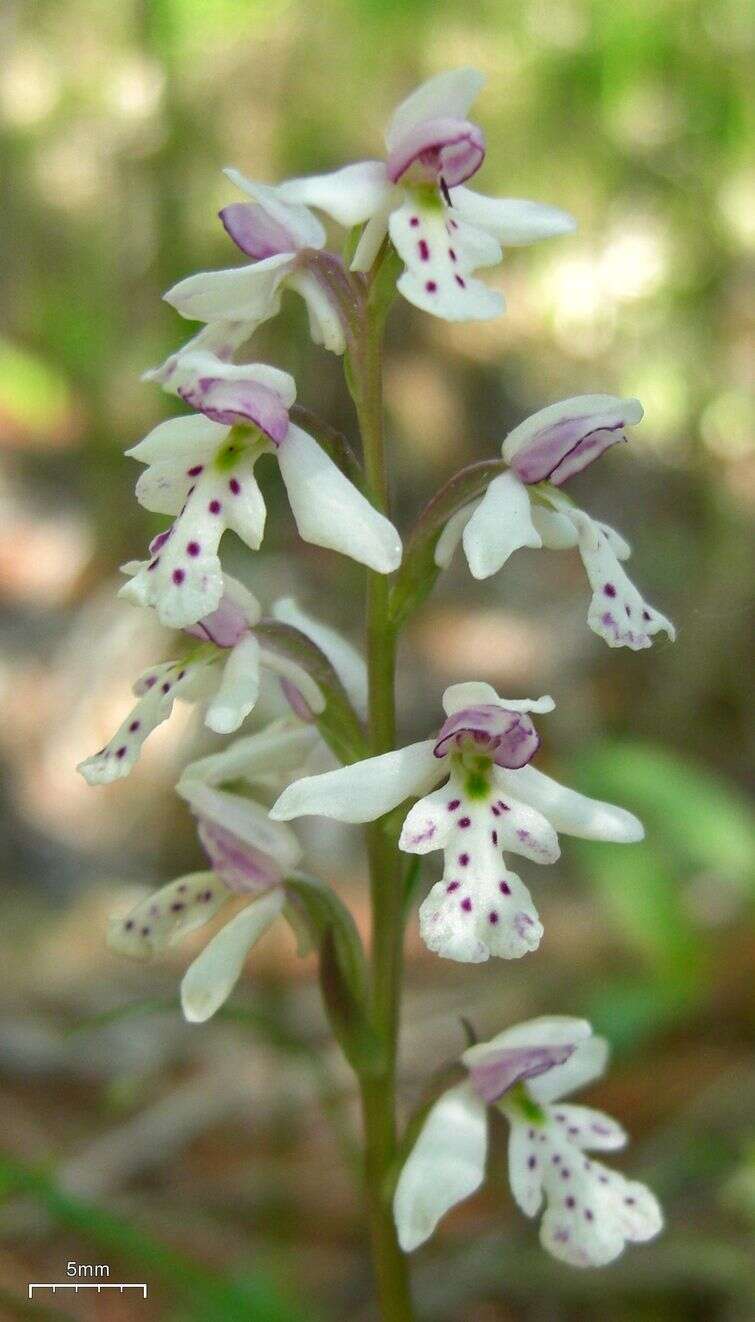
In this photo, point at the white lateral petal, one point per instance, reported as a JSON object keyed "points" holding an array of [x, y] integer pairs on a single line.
{"points": [[500, 525], [330, 511], [347, 662], [324, 322], [513, 221], [365, 790], [239, 687], [286, 668], [448, 95], [374, 232], [281, 748], [192, 437], [449, 539], [568, 811], [445, 1166], [350, 195], [428, 824], [209, 981], [556, 530], [242, 293]]}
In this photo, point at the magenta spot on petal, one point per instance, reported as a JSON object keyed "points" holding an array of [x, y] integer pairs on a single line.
{"points": [[495, 811], [178, 575], [177, 906], [453, 805], [431, 286], [214, 507], [494, 837], [195, 471], [461, 282], [129, 924], [630, 1202], [165, 688], [628, 610], [193, 548], [589, 1214], [493, 917], [530, 1133], [556, 1158], [646, 615], [466, 904], [150, 681], [463, 859], [571, 1201], [560, 1116], [424, 250], [504, 888], [565, 1173], [465, 821], [121, 752], [205, 896], [235, 485], [609, 590], [181, 888], [134, 726], [603, 1179], [532, 1162], [453, 886], [414, 222], [452, 254], [504, 807]]}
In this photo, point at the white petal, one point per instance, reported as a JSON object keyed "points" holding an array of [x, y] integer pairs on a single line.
{"points": [[448, 95], [551, 1030], [474, 693], [525, 831], [513, 221], [587, 1129], [374, 232], [427, 824], [324, 322], [501, 524], [556, 530], [440, 254], [281, 748], [221, 338], [300, 222], [350, 195], [525, 1171], [286, 668], [568, 811], [617, 611], [445, 1166], [239, 687], [449, 539], [162, 488], [192, 438], [347, 662], [245, 819], [503, 924], [163, 918], [365, 790], [212, 977], [242, 293], [330, 511], [586, 1063]]}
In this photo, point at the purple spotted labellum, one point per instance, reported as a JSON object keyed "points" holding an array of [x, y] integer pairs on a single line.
{"points": [[509, 735]]}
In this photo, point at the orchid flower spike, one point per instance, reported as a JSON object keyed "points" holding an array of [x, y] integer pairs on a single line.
{"points": [[249, 856], [524, 507], [442, 231], [201, 470], [591, 1211], [285, 241], [226, 673], [490, 802]]}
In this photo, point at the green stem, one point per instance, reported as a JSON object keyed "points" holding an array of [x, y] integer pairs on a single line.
{"points": [[378, 1086]]}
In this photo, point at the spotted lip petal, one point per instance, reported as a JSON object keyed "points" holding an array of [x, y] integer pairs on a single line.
{"points": [[495, 1074], [510, 734], [442, 148]]}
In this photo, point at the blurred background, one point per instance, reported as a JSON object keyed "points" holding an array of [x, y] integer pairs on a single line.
{"points": [[215, 1162]]}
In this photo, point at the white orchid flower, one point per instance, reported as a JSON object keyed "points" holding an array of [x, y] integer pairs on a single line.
{"points": [[225, 674], [591, 1211], [491, 802], [523, 507], [442, 231], [201, 470], [285, 240], [250, 856]]}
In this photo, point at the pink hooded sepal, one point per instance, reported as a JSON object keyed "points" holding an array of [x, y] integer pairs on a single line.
{"points": [[448, 149], [509, 735]]}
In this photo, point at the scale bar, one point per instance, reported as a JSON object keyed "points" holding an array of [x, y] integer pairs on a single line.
{"points": [[86, 1285]]}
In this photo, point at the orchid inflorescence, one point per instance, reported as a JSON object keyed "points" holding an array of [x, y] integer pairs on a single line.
{"points": [[471, 789]]}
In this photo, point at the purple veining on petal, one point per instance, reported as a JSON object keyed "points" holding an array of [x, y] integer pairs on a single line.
{"points": [[224, 627], [229, 402], [494, 1075], [564, 449], [255, 232], [160, 540], [510, 736], [240, 866], [450, 150], [296, 701]]}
